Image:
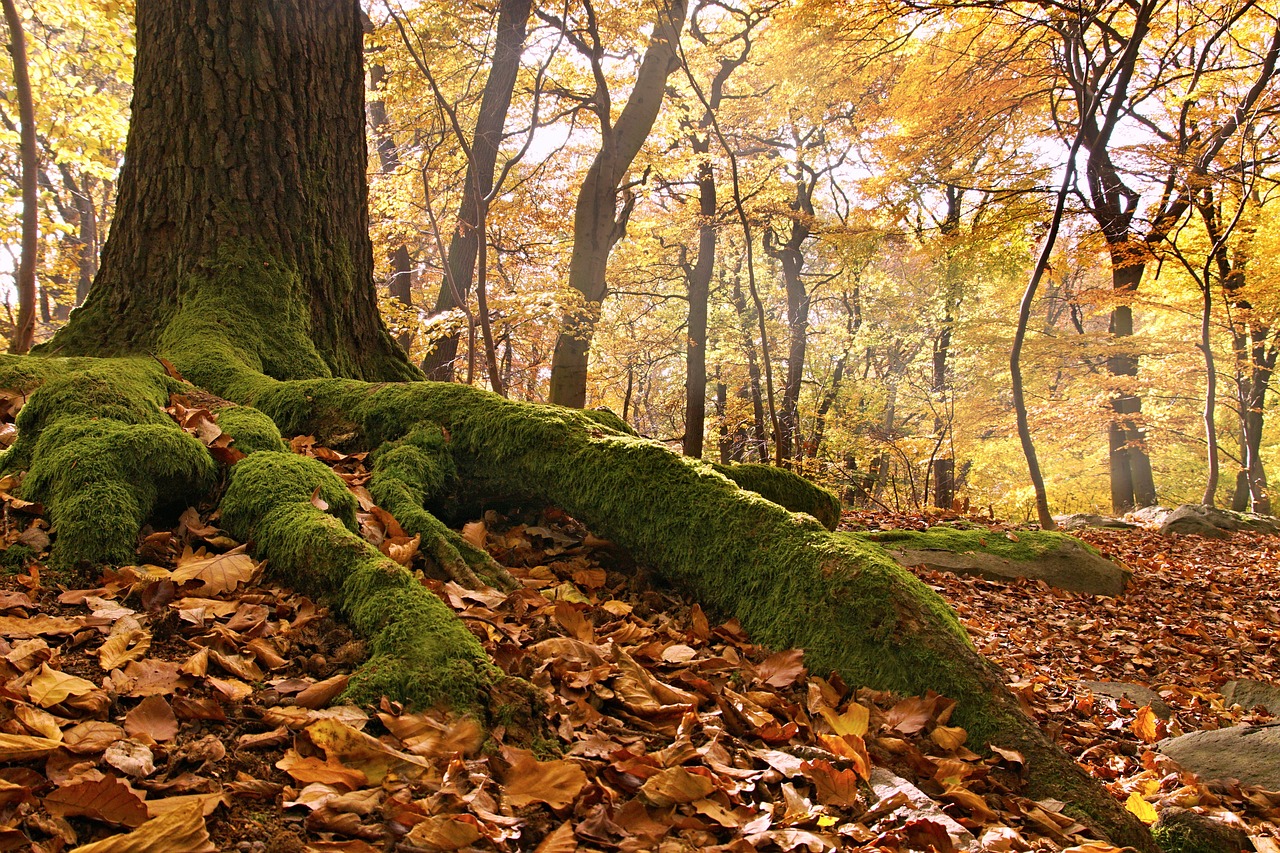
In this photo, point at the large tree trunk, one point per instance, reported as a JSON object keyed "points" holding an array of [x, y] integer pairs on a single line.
{"points": [[238, 248], [464, 246], [698, 281], [262, 221], [1132, 482]]}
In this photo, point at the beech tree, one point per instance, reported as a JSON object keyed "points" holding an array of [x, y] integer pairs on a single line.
{"points": [[239, 259]]}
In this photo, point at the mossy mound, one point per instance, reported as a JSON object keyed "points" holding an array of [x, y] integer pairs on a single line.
{"points": [[785, 489], [1059, 560]]}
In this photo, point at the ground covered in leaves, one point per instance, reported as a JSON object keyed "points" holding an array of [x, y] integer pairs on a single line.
{"points": [[187, 703]]}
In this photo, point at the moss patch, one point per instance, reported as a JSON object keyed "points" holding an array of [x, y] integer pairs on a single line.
{"points": [[1029, 544], [419, 651], [785, 489], [251, 429]]}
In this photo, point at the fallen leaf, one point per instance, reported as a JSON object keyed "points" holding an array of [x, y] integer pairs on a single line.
{"points": [[218, 573], [445, 832], [182, 829], [783, 669], [25, 747], [1145, 725], [107, 799], [1140, 808], [153, 717], [675, 785], [556, 783], [51, 687]]}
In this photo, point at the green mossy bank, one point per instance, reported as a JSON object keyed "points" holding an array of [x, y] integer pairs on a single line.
{"points": [[439, 448]]}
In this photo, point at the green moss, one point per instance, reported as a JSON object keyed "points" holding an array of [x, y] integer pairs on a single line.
{"points": [[16, 558], [101, 452], [785, 489], [251, 429], [419, 650], [1028, 545]]}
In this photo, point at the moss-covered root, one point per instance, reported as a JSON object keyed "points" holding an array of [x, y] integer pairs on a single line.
{"points": [[101, 453], [407, 475], [419, 650], [785, 489]]}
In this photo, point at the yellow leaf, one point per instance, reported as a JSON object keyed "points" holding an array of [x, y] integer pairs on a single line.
{"points": [[675, 785], [358, 751], [181, 829], [25, 748], [128, 641], [219, 573], [50, 687], [853, 721], [1140, 808], [1144, 725]]}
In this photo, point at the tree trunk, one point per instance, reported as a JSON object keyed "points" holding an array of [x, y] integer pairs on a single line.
{"points": [[598, 220], [1132, 483], [226, 218], [698, 279], [25, 330], [464, 246]]}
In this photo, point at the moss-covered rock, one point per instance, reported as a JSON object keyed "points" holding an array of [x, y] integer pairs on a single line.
{"points": [[1059, 560]]}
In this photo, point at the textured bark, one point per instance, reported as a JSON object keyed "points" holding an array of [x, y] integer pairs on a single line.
{"points": [[247, 130], [24, 333], [698, 289], [464, 247], [598, 220], [790, 255]]}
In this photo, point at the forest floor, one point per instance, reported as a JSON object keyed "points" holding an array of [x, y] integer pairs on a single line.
{"points": [[188, 703]]}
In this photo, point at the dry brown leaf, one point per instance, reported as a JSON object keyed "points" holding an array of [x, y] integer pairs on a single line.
{"points": [[218, 573], [833, 787], [474, 532], [783, 669], [559, 840], [208, 803], [556, 783], [152, 717], [445, 832], [675, 785], [17, 627], [312, 769], [850, 747], [38, 721], [107, 799], [91, 736], [182, 829], [322, 693]]}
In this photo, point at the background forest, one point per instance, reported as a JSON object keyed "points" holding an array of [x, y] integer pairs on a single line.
{"points": [[793, 231]]}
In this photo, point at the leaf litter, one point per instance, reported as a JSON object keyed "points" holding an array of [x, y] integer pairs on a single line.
{"points": [[187, 703]]}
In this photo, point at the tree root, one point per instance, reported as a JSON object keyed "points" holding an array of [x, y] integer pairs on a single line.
{"points": [[789, 581]]}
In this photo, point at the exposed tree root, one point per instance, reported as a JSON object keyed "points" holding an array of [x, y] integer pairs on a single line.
{"points": [[789, 581]]}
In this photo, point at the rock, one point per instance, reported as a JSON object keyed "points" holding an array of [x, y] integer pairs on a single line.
{"points": [[1248, 753], [1184, 831], [1068, 565], [1149, 515], [1193, 520], [919, 805], [1080, 520], [1135, 693], [1249, 694]]}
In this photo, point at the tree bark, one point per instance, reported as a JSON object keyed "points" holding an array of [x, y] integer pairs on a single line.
{"points": [[25, 330], [464, 246], [598, 220], [270, 215]]}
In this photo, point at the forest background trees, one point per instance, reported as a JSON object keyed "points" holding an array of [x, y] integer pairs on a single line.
{"points": [[794, 232]]}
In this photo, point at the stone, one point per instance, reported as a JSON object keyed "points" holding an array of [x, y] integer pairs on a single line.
{"points": [[919, 805], [1248, 694], [1193, 520], [1151, 515], [1135, 693], [1248, 753], [1184, 831], [1081, 520], [1070, 566]]}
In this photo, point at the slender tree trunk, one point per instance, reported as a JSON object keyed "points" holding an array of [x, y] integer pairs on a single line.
{"points": [[24, 332], [1210, 396], [598, 220], [89, 244], [698, 279], [464, 246], [754, 377], [1132, 483], [258, 227]]}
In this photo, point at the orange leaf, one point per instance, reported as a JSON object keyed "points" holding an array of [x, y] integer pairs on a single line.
{"points": [[556, 783], [107, 799]]}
